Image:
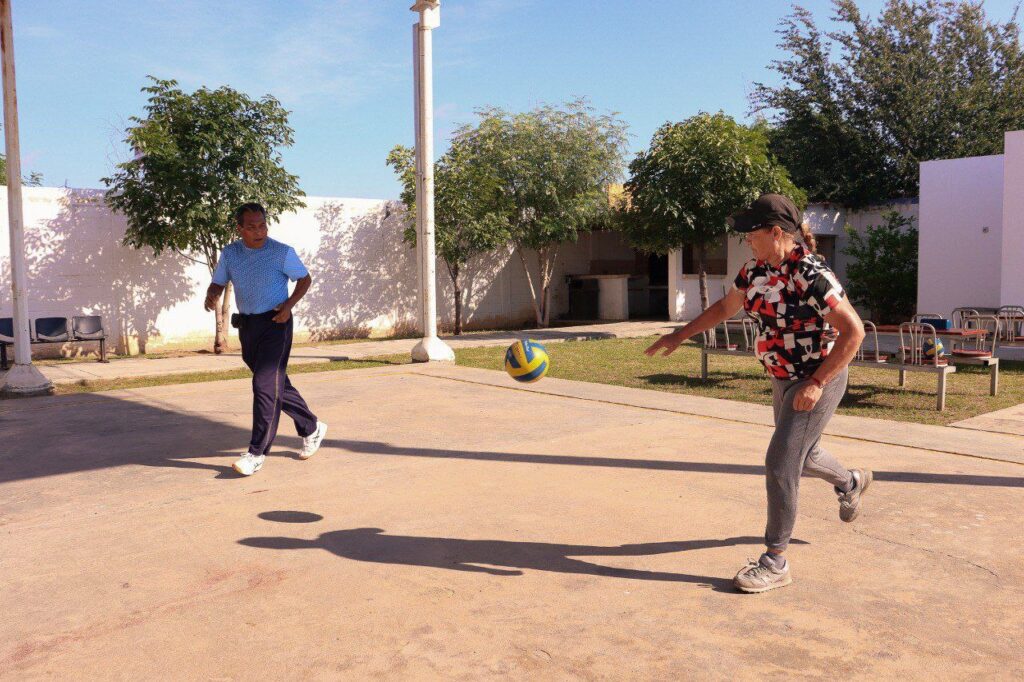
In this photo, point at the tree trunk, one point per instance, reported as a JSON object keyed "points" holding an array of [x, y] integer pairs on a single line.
{"points": [[533, 291], [454, 272], [703, 276], [223, 314], [548, 270]]}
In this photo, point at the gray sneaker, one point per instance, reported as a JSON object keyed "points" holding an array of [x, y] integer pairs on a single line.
{"points": [[756, 577], [849, 503]]}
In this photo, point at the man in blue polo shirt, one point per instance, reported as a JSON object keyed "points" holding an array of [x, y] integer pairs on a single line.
{"points": [[260, 269]]}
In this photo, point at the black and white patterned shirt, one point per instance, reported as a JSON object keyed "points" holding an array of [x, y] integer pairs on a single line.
{"points": [[789, 304]]}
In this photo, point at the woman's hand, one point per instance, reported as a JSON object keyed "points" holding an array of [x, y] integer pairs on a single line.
{"points": [[668, 343], [807, 396]]}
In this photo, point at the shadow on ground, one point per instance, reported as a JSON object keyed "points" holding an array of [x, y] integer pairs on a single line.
{"points": [[500, 557], [685, 381], [76, 433], [376, 448]]}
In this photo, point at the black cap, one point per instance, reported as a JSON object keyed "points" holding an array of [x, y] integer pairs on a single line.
{"points": [[768, 210]]}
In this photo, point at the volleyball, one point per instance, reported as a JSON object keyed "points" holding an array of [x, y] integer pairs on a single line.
{"points": [[931, 350], [526, 361]]}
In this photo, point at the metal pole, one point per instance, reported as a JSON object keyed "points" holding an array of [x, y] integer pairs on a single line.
{"points": [[420, 319], [430, 347], [427, 181], [22, 378]]}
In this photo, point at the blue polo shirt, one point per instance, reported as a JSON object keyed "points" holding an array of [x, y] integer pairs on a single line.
{"points": [[260, 275]]}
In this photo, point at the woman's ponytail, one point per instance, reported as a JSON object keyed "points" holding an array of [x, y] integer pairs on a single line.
{"points": [[808, 237]]}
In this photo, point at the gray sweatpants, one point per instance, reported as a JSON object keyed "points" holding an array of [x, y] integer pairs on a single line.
{"points": [[795, 450]]}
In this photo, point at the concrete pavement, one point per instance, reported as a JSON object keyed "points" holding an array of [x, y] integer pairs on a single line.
{"points": [[458, 526]]}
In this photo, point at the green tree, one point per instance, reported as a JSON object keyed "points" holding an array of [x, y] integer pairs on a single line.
{"points": [[859, 108], [694, 175], [883, 273], [465, 194], [33, 179], [553, 166], [197, 157]]}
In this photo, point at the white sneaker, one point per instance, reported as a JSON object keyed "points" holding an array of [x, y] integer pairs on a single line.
{"points": [[311, 443], [248, 464]]}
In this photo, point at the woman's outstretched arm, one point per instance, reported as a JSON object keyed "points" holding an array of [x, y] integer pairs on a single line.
{"points": [[720, 310]]}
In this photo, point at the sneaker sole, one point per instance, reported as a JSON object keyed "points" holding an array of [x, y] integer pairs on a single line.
{"points": [[324, 435], [865, 484], [788, 580]]}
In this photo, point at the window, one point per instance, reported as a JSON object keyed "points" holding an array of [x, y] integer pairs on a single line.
{"points": [[715, 258]]}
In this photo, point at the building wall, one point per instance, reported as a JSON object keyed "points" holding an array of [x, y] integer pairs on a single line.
{"points": [[961, 232], [1012, 259], [365, 278]]}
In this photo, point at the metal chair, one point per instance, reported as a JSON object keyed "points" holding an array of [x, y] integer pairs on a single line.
{"points": [[912, 358], [872, 355], [960, 313], [6, 339], [51, 329], [1011, 321], [90, 328], [958, 318], [983, 352]]}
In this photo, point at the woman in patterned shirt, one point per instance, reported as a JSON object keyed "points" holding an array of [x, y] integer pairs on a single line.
{"points": [[799, 306]]}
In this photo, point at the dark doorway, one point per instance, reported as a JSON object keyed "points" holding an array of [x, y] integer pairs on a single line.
{"points": [[648, 294], [657, 269], [827, 249]]}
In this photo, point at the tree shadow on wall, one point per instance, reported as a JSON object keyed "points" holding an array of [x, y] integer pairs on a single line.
{"points": [[363, 274], [484, 299], [76, 265]]}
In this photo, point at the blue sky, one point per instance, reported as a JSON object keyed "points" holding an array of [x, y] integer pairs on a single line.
{"points": [[343, 68]]}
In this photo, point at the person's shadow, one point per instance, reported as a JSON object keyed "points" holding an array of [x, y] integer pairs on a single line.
{"points": [[483, 556]]}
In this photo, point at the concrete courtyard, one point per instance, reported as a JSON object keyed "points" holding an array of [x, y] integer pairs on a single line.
{"points": [[458, 526]]}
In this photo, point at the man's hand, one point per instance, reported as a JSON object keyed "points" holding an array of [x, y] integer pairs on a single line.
{"points": [[807, 396], [668, 343], [284, 311], [213, 296]]}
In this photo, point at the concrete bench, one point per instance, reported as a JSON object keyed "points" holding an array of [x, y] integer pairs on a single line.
{"points": [[910, 357], [911, 361], [712, 346]]}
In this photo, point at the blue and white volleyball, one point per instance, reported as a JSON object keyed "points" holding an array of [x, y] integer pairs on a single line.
{"points": [[526, 361], [932, 350]]}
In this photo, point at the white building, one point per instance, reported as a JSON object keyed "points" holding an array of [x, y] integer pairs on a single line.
{"points": [[972, 231]]}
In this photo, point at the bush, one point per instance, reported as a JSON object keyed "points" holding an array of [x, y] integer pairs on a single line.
{"points": [[883, 273]]}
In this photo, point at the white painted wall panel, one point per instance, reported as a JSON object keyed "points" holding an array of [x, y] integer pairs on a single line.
{"points": [[960, 234], [365, 279]]}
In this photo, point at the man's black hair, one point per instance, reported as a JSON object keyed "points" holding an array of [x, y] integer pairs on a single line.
{"points": [[251, 207]]}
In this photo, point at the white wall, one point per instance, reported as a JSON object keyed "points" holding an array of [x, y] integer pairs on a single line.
{"points": [[959, 261], [1012, 275], [365, 280]]}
